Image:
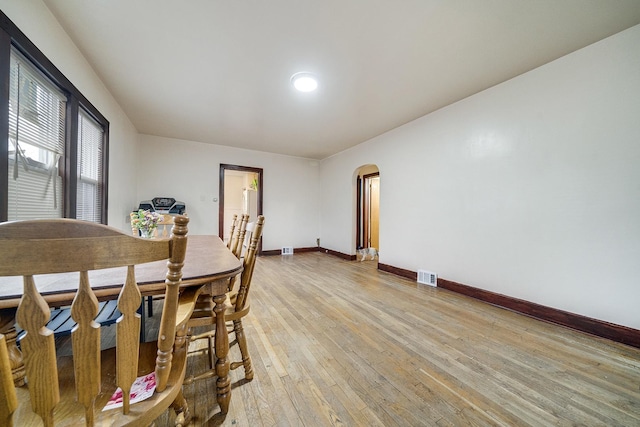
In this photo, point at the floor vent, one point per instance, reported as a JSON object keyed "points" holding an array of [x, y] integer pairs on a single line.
{"points": [[427, 278], [287, 250]]}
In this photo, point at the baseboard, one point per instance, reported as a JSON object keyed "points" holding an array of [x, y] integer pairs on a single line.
{"points": [[600, 328], [295, 250], [411, 275], [271, 252], [311, 249], [314, 249], [338, 254]]}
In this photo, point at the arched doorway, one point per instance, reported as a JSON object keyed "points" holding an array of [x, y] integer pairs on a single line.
{"points": [[368, 207]]}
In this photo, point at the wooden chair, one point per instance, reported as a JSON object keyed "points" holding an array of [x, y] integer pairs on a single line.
{"points": [[61, 322], [237, 241], [251, 226], [164, 226], [237, 308], [69, 389], [234, 223], [238, 236]]}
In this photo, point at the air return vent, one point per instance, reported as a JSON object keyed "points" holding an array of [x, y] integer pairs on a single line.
{"points": [[427, 278], [287, 250]]}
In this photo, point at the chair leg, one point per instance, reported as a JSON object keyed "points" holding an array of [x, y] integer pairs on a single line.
{"points": [[181, 409], [244, 351], [211, 372], [212, 352]]}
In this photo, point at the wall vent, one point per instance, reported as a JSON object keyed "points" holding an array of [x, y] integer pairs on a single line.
{"points": [[287, 250], [427, 278]]}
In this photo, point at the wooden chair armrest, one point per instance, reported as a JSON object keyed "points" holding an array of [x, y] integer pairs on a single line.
{"points": [[186, 304]]}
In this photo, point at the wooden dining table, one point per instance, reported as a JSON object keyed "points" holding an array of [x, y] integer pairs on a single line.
{"points": [[208, 265]]}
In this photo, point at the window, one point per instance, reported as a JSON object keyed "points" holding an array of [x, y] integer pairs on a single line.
{"points": [[89, 199], [36, 143], [53, 142]]}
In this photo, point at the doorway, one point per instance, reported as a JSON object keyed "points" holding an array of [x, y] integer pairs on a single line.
{"points": [[240, 192], [368, 207]]}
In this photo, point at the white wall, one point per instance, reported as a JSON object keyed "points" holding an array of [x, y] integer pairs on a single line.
{"points": [[34, 19], [290, 187], [530, 189]]}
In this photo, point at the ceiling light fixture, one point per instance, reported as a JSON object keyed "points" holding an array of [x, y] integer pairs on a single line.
{"points": [[304, 82]]}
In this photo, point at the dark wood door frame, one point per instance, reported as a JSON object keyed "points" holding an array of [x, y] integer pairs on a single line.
{"points": [[226, 167], [359, 213], [362, 204]]}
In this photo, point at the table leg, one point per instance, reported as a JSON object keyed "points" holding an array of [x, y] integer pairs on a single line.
{"points": [[8, 329], [223, 382]]}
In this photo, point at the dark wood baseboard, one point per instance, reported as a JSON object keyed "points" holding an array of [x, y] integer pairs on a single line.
{"points": [[314, 249], [338, 254], [310, 249], [271, 252], [295, 250], [600, 328], [411, 275], [618, 333]]}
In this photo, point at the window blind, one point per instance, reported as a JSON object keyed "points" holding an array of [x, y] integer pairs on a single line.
{"points": [[36, 143], [90, 152]]}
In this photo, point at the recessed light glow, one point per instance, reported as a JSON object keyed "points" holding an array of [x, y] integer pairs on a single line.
{"points": [[304, 82]]}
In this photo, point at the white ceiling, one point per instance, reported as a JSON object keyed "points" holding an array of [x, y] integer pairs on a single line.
{"points": [[217, 71]]}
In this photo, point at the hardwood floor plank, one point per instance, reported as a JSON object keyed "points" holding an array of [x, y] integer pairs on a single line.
{"points": [[337, 342], [276, 408]]}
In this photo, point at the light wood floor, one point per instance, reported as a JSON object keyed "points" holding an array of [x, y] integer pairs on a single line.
{"points": [[335, 342]]}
